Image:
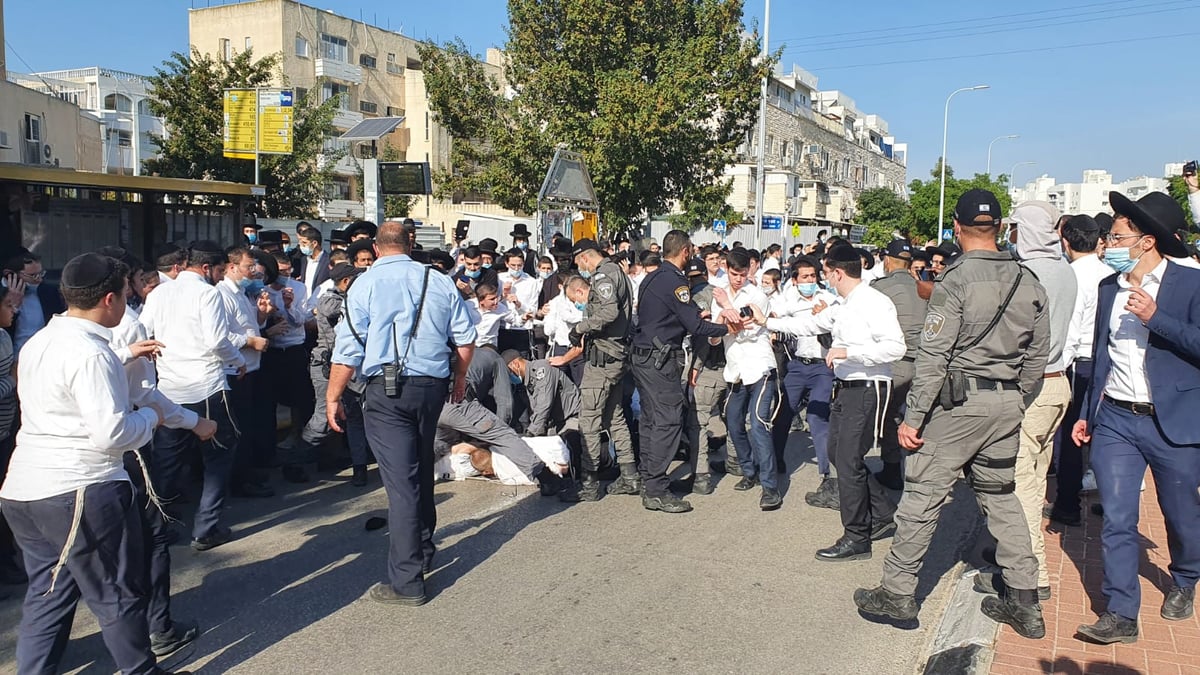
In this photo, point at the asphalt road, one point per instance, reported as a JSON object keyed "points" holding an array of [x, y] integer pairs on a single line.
{"points": [[525, 584]]}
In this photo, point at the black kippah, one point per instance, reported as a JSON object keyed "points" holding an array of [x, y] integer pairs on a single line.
{"points": [[843, 253], [87, 270]]}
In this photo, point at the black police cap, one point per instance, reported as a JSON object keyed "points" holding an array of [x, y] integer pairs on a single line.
{"points": [[585, 245], [344, 271], [899, 248]]}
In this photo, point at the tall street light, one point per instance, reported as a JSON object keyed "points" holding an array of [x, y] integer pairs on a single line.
{"points": [[945, 128], [1012, 184], [760, 185], [998, 138]]}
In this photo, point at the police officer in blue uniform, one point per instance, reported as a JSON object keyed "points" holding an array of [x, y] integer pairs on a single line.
{"points": [[665, 316], [402, 319]]}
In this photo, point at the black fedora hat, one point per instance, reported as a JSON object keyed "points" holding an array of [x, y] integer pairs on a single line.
{"points": [[1156, 214], [519, 230]]}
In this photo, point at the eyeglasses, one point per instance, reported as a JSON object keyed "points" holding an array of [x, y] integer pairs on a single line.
{"points": [[1111, 238], [34, 277]]}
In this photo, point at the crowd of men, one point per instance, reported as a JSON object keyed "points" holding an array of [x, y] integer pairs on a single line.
{"points": [[590, 370]]}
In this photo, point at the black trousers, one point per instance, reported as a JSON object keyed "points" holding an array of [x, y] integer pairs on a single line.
{"points": [[1070, 456], [853, 425], [401, 432], [661, 395], [285, 381], [156, 539], [241, 402]]}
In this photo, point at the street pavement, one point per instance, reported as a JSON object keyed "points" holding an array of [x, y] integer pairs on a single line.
{"points": [[526, 584]]}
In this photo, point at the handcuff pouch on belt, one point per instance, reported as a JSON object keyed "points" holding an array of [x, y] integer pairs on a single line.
{"points": [[954, 388]]}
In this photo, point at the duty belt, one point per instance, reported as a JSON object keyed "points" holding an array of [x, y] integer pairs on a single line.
{"points": [[984, 384], [857, 384], [808, 361]]}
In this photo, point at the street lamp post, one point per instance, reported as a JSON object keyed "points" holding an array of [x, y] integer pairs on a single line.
{"points": [[945, 128], [760, 185], [998, 138], [1012, 184]]}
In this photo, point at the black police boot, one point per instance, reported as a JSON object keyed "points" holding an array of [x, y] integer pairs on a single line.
{"points": [[567, 492], [589, 488], [1018, 608], [703, 485], [993, 584], [891, 476], [630, 483], [1178, 604], [667, 503], [879, 601], [548, 483], [826, 496], [1109, 629]]}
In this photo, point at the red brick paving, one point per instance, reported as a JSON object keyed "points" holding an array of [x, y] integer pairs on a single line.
{"points": [[1074, 558]]}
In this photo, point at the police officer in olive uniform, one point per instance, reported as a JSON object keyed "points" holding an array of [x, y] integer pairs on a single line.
{"points": [[665, 316], [984, 347], [901, 288], [604, 332], [553, 397]]}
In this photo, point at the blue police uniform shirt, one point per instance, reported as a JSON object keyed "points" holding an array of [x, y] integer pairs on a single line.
{"points": [[666, 311], [386, 295]]}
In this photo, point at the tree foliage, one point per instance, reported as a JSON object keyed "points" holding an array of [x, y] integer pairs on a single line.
{"points": [[655, 94], [188, 93], [882, 211], [1177, 188], [922, 221]]}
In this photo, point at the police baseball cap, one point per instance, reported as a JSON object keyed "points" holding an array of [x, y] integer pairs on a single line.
{"points": [[585, 245], [344, 271], [695, 267], [899, 249], [978, 207], [510, 355]]}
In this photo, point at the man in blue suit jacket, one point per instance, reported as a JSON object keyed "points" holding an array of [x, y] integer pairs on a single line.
{"points": [[1140, 410]]}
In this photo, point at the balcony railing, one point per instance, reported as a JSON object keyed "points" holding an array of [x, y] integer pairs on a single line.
{"points": [[344, 119], [341, 209], [339, 70]]}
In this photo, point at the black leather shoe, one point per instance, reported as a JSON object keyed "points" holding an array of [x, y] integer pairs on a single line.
{"points": [[703, 485], [1178, 604], [770, 500], [213, 540], [295, 474], [667, 503], [1109, 629], [180, 634], [253, 491], [359, 479], [746, 483], [826, 496], [882, 529], [879, 601], [844, 551], [1060, 517], [1018, 609], [384, 593], [993, 584], [1097, 509], [567, 492]]}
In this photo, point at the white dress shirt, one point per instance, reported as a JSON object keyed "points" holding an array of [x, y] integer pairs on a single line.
{"points": [[526, 288], [311, 267], [189, 318], [1194, 203], [243, 323], [1089, 272], [141, 377], [794, 304], [748, 353], [562, 316], [77, 421], [295, 317], [720, 279], [863, 323], [488, 324], [1127, 339]]}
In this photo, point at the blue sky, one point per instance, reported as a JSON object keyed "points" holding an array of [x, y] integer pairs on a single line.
{"points": [[1113, 99]]}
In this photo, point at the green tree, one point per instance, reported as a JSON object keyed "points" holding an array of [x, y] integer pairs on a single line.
{"points": [[882, 211], [1179, 192], [655, 94], [188, 93], [923, 198]]}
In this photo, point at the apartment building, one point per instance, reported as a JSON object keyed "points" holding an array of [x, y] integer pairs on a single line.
{"points": [[373, 72], [1090, 195], [821, 152]]}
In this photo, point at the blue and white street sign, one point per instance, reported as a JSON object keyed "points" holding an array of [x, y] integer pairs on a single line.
{"points": [[772, 223], [947, 235], [720, 227]]}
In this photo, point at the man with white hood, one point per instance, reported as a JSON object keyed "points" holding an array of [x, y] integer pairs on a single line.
{"points": [[1039, 248]]}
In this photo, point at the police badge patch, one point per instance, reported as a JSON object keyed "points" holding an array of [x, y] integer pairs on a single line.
{"points": [[539, 374], [683, 294], [933, 325], [605, 291]]}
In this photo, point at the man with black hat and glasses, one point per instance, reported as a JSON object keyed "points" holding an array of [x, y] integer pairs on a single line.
{"points": [[984, 346], [67, 495], [1140, 410], [520, 235]]}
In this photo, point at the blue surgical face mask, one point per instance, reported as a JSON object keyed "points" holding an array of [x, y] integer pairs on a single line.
{"points": [[807, 290], [255, 288], [473, 274], [306, 250], [252, 237], [585, 274], [1119, 260], [514, 378], [544, 275], [288, 248], [516, 274], [523, 245], [580, 306], [244, 283]]}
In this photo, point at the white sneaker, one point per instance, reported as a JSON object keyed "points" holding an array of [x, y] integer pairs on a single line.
{"points": [[1089, 482]]}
